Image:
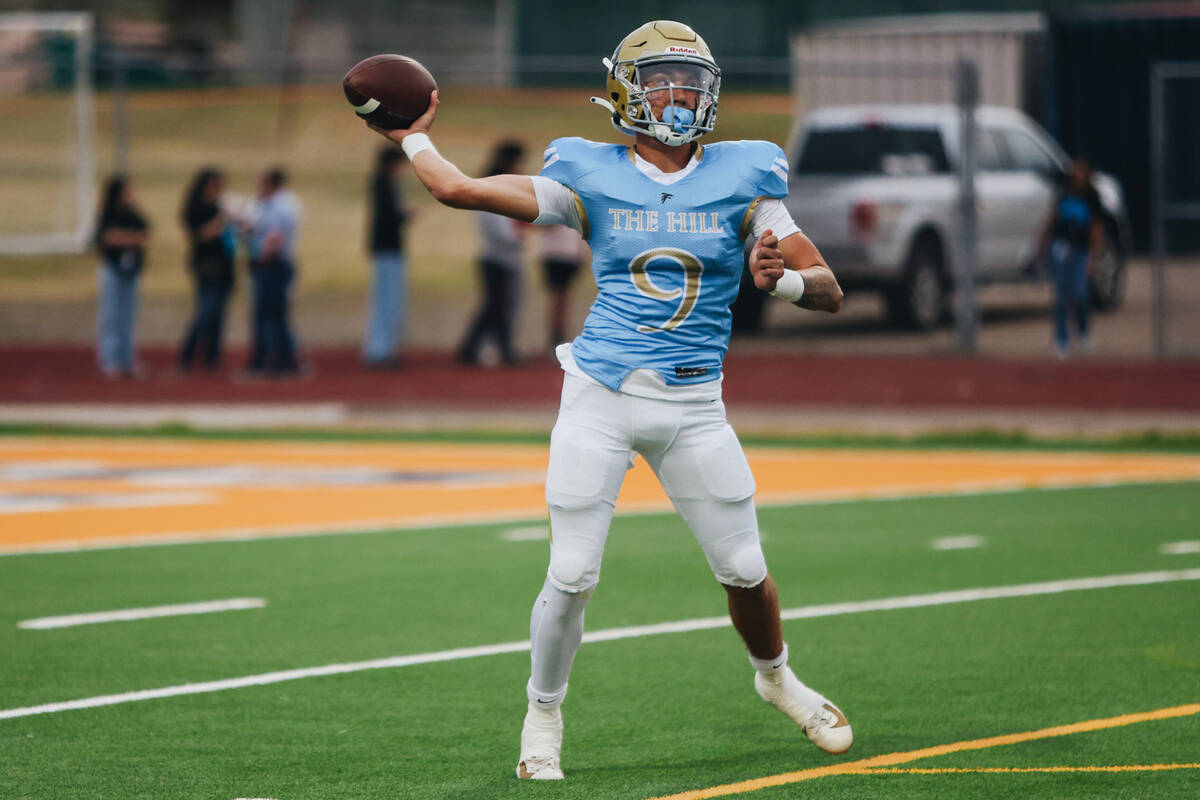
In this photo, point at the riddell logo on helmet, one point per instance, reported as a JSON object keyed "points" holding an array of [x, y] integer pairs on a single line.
{"points": [[691, 51]]}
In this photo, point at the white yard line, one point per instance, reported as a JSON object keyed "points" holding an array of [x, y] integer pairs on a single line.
{"points": [[613, 634], [526, 533], [967, 542], [1179, 548], [536, 514], [151, 612]]}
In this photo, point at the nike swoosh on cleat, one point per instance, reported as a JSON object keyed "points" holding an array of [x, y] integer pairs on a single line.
{"points": [[544, 702], [841, 718]]}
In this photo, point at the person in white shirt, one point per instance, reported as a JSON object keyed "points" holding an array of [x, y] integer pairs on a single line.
{"points": [[563, 251], [500, 264], [272, 238]]}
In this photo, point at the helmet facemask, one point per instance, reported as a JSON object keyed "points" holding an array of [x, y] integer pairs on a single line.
{"points": [[672, 97]]}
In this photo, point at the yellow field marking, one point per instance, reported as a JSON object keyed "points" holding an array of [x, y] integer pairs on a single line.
{"points": [[993, 770], [509, 485], [893, 759]]}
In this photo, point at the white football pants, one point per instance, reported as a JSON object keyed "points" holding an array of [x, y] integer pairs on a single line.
{"points": [[699, 462]]}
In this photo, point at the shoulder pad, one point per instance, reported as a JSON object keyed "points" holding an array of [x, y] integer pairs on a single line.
{"points": [[763, 166], [571, 157]]}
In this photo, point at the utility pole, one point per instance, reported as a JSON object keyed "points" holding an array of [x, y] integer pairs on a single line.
{"points": [[966, 311]]}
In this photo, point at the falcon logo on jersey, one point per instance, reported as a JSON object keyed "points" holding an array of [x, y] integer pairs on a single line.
{"points": [[664, 197]]}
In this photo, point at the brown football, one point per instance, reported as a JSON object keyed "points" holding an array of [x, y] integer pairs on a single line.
{"points": [[389, 91]]}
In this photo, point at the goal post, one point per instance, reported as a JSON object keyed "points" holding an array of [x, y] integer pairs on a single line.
{"points": [[47, 125]]}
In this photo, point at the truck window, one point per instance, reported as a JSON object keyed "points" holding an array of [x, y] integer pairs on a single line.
{"points": [[990, 157], [1026, 154], [868, 149]]}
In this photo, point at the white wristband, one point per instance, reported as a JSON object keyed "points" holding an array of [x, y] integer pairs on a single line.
{"points": [[416, 143], [790, 286]]}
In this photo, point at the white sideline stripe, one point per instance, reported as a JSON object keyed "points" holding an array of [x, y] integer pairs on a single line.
{"points": [[36, 503], [613, 634], [1179, 548], [126, 614]]}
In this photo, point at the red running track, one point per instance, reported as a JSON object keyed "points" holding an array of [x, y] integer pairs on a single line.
{"points": [[66, 374]]}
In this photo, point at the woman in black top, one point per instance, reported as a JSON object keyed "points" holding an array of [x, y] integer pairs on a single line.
{"points": [[385, 321], [210, 234], [121, 234]]}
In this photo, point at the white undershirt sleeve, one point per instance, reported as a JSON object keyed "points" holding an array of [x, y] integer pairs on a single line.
{"points": [[557, 204], [772, 214]]}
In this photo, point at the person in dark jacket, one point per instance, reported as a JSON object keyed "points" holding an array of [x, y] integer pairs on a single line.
{"points": [[121, 234], [385, 320], [1073, 238], [211, 234]]}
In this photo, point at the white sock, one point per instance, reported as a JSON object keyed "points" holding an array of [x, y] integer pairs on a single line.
{"points": [[777, 671], [771, 667], [555, 631]]}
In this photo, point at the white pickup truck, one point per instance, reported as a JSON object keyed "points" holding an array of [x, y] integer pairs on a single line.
{"points": [[876, 187]]}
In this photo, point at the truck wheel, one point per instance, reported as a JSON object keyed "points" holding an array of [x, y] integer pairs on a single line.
{"points": [[1107, 284], [919, 300]]}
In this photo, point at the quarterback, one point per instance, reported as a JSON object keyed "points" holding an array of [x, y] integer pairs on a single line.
{"points": [[666, 220]]}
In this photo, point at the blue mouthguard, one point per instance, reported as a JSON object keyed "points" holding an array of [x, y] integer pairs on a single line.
{"points": [[678, 118]]}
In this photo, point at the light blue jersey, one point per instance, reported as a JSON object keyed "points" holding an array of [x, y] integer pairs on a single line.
{"points": [[667, 258]]}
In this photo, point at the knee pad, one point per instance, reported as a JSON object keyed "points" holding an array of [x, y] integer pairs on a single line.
{"points": [[577, 537], [573, 571], [738, 560]]}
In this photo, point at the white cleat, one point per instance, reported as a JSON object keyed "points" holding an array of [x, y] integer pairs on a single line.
{"points": [[824, 722], [541, 745]]}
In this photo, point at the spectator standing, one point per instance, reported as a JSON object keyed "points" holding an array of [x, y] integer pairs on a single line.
{"points": [[500, 267], [211, 234], [271, 239], [562, 254], [385, 320], [121, 234], [1073, 238]]}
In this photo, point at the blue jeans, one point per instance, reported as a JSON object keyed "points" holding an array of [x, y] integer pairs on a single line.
{"points": [[115, 319], [274, 348], [385, 320], [1068, 265], [208, 324]]}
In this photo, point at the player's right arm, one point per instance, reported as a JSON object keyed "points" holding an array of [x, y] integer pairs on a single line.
{"points": [[771, 255], [510, 195]]}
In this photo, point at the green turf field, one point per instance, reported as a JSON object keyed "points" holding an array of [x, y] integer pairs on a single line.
{"points": [[647, 715]]}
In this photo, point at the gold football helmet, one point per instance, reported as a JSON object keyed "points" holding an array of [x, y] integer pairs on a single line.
{"points": [[663, 82]]}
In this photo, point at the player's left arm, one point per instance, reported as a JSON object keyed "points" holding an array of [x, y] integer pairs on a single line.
{"points": [[770, 256]]}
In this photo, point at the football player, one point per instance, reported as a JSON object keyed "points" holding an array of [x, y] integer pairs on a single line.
{"points": [[665, 218]]}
